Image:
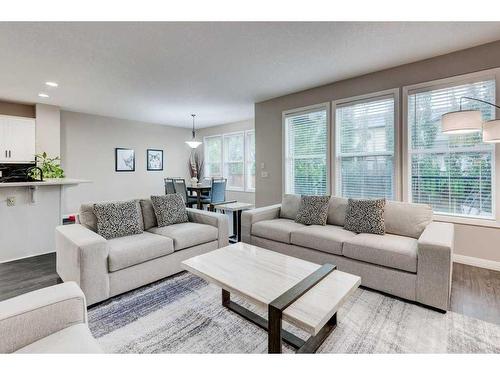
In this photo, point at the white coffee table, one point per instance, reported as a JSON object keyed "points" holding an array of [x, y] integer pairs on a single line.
{"points": [[302, 293]]}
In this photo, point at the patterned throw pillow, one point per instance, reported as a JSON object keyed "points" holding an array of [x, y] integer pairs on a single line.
{"points": [[118, 219], [313, 210], [365, 216], [169, 209]]}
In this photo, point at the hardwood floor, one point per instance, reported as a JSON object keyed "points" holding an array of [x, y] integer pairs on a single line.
{"points": [[24, 275], [475, 291]]}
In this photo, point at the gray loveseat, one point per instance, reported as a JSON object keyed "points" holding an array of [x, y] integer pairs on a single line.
{"points": [[105, 268], [413, 260]]}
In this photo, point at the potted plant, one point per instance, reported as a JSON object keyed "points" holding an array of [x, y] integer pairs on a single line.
{"points": [[51, 167]]}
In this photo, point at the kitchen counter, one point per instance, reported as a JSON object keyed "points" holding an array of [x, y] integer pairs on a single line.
{"points": [[45, 182]]}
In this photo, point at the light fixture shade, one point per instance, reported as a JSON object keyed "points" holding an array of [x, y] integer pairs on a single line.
{"points": [[193, 143], [461, 122], [491, 131]]}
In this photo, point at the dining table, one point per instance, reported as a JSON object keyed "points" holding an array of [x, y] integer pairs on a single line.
{"points": [[201, 190]]}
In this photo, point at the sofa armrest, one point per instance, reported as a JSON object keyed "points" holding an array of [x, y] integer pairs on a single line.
{"points": [[434, 264], [35, 315], [250, 217], [214, 219], [82, 257]]}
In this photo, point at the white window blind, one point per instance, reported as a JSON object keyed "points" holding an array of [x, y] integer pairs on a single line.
{"points": [[250, 160], [234, 160], [306, 147], [213, 156], [365, 148], [453, 173]]}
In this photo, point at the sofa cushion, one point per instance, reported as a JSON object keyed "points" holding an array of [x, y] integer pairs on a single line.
{"points": [[389, 250], [336, 211], [365, 216], [187, 234], [169, 209], [328, 238], [148, 214], [407, 219], [290, 206], [73, 339], [87, 217], [128, 251], [118, 219], [276, 229], [313, 210]]}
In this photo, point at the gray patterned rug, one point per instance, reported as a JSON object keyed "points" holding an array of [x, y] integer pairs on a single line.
{"points": [[183, 314]]}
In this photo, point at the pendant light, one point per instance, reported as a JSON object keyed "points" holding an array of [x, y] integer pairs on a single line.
{"points": [[469, 121], [193, 143]]}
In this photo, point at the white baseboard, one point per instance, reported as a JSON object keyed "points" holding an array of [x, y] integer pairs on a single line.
{"points": [[477, 262]]}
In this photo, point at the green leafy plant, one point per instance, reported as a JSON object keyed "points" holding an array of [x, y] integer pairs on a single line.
{"points": [[51, 167]]}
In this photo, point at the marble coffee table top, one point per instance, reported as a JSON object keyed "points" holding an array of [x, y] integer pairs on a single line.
{"points": [[261, 275]]}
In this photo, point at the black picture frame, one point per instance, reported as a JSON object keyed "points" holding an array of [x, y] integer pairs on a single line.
{"points": [[148, 160], [120, 153]]}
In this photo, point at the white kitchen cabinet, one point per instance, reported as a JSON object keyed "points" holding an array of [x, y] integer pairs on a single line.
{"points": [[17, 139]]}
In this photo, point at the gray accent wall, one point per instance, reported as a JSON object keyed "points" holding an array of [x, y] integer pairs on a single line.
{"points": [[472, 241], [88, 152]]}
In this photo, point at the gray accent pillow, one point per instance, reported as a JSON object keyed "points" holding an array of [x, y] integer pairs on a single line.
{"points": [[148, 214], [290, 206], [313, 210], [365, 216], [118, 219], [87, 217], [169, 209]]}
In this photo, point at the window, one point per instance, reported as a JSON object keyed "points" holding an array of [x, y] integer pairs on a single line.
{"points": [[213, 156], [234, 160], [250, 160], [365, 147], [453, 173], [306, 151], [231, 156]]}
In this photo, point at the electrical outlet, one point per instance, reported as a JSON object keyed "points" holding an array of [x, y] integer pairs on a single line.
{"points": [[264, 174], [11, 201]]}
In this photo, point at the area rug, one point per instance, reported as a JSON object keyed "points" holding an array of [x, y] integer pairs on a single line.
{"points": [[183, 314]]}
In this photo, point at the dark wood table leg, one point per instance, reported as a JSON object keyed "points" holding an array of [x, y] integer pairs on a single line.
{"points": [[274, 342], [235, 225], [198, 199], [239, 226]]}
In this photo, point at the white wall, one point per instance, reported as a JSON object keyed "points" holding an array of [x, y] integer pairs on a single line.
{"points": [[240, 196], [48, 130], [88, 145]]}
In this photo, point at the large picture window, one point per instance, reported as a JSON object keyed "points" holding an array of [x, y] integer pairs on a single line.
{"points": [[231, 156], [365, 147], [306, 151], [453, 173], [213, 155]]}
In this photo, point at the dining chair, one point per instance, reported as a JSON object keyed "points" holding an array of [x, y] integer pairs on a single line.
{"points": [[169, 185], [180, 188], [217, 193]]}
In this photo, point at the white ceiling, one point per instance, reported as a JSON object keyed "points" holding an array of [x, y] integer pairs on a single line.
{"points": [[163, 72]]}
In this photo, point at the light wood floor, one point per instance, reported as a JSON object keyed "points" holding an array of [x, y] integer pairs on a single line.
{"points": [[475, 291]]}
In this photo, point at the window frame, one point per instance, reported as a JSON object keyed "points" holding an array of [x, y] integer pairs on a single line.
{"points": [[491, 74], [205, 151], [247, 161], [335, 139], [224, 162], [222, 159], [298, 111]]}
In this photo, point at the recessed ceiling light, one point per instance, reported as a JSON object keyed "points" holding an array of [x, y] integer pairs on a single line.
{"points": [[51, 84], [43, 95]]}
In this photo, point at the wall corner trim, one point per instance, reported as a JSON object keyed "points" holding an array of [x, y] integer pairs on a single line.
{"points": [[477, 262]]}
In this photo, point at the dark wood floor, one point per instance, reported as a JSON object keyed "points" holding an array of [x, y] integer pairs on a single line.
{"points": [[475, 291]]}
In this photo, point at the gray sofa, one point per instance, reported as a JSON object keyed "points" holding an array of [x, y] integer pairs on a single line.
{"points": [[413, 260], [48, 320], [105, 268]]}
